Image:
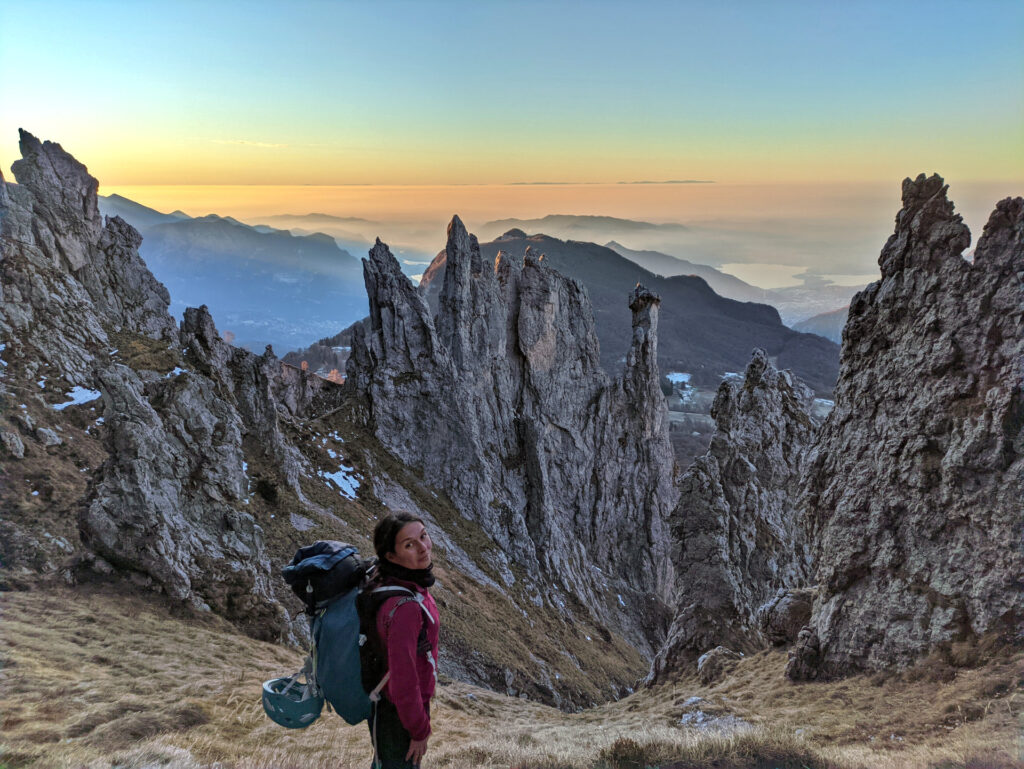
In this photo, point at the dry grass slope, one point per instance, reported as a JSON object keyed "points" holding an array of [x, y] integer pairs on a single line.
{"points": [[97, 678]]}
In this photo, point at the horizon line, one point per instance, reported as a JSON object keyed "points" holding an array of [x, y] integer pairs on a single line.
{"points": [[790, 182]]}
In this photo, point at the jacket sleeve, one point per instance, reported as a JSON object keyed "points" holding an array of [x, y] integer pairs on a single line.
{"points": [[404, 685]]}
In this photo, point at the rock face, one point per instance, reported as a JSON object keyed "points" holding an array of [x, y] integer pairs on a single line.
{"points": [[915, 495], [736, 527], [68, 279], [168, 504], [501, 400]]}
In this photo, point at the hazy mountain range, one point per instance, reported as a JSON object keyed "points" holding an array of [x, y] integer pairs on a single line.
{"points": [[272, 286], [264, 286], [828, 324], [569, 224]]}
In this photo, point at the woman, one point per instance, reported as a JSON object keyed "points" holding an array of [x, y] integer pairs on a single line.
{"points": [[407, 628]]}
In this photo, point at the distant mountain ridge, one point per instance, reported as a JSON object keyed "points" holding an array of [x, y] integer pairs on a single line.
{"points": [[666, 265], [136, 214], [319, 217], [265, 286], [827, 324], [570, 223], [796, 304]]}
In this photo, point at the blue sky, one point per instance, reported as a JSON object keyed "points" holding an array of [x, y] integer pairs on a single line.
{"points": [[493, 92]]}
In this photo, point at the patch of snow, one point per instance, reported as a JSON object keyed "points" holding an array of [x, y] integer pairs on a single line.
{"points": [[587, 637], [245, 466], [678, 377], [78, 396], [112, 352], [344, 479], [332, 453], [35, 493], [42, 383], [99, 421], [621, 602], [177, 370]]}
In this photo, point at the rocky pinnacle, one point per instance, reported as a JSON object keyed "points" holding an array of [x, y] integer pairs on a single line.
{"points": [[501, 400], [736, 532], [914, 498]]}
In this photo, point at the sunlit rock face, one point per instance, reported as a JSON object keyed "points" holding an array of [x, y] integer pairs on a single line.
{"points": [[501, 401], [736, 530], [167, 507], [915, 499], [68, 279]]}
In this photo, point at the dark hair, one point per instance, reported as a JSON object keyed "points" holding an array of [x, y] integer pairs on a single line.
{"points": [[386, 531]]}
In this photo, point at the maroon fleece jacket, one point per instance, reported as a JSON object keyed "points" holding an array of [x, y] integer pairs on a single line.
{"points": [[412, 675]]}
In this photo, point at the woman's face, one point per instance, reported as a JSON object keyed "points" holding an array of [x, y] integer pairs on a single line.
{"points": [[412, 547]]}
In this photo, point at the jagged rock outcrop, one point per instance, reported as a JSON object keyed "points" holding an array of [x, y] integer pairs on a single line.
{"points": [[501, 401], [915, 496], [168, 506], [736, 526], [169, 503], [67, 279]]}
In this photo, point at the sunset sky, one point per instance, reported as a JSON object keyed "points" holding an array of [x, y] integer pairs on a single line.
{"points": [[409, 93]]}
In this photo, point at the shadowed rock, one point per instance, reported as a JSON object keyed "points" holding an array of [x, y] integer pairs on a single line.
{"points": [[735, 529]]}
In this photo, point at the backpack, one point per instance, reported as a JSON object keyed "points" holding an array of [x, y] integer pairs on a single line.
{"points": [[341, 598], [372, 652]]}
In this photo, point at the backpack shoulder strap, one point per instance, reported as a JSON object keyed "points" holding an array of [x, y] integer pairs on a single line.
{"points": [[413, 597]]}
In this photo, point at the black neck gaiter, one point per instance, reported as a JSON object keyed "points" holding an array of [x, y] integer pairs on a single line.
{"points": [[421, 577]]}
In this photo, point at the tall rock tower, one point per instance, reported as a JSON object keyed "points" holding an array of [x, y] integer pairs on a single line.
{"points": [[501, 401], [916, 496]]}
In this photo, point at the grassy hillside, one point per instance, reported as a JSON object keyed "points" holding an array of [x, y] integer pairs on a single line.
{"points": [[95, 677]]}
